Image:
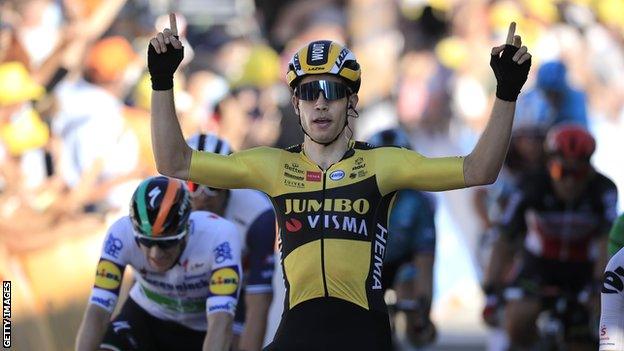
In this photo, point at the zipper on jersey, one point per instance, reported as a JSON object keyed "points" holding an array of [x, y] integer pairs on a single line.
{"points": [[323, 236]]}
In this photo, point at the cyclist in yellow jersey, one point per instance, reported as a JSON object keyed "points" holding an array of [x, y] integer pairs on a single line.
{"points": [[332, 195]]}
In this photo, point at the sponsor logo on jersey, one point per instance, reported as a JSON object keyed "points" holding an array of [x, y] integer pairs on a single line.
{"points": [[359, 164], [223, 252], [288, 175], [228, 307], [358, 174], [294, 184], [113, 246], [293, 167], [102, 301], [337, 175], [612, 281], [191, 267], [344, 223], [183, 287], [313, 176], [379, 250], [293, 225], [224, 281], [359, 206], [108, 275]]}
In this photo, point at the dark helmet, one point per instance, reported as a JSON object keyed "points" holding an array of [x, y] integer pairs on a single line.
{"points": [[391, 137], [209, 143], [160, 207], [570, 141]]}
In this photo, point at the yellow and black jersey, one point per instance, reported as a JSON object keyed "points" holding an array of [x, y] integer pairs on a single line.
{"points": [[332, 223]]}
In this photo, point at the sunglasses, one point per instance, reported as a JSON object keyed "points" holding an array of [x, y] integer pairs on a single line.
{"points": [[331, 90], [197, 189], [162, 243]]}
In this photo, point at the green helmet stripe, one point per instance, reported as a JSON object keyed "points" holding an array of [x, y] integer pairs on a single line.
{"points": [[146, 227]]}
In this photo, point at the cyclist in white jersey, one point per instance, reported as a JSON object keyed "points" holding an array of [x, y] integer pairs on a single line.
{"points": [[187, 269], [611, 332], [252, 213]]}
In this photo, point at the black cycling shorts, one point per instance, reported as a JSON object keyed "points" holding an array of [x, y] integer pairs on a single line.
{"points": [[331, 324], [136, 330], [534, 273]]}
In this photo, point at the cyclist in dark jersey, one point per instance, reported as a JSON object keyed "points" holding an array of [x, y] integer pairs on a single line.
{"points": [[410, 250], [563, 217], [332, 227]]}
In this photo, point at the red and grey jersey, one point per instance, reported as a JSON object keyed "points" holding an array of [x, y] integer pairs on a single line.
{"points": [[205, 279], [612, 305], [557, 230]]}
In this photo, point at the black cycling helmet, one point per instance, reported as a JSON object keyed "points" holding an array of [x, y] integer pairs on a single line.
{"points": [[391, 137], [207, 143], [160, 208]]}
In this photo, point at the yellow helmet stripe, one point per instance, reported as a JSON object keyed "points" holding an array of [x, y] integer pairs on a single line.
{"points": [[349, 74]]}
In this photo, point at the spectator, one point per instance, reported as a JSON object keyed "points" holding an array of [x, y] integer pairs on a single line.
{"points": [[552, 100], [99, 152]]}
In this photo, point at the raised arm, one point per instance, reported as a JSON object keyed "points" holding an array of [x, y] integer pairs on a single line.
{"points": [[172, 154], [510, 63]]}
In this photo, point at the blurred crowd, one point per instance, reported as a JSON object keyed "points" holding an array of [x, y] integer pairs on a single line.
{"points": [[75, 94]]}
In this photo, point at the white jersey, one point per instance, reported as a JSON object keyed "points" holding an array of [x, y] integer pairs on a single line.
{"points": [[252, 213], [206, 278], [612, 305]]}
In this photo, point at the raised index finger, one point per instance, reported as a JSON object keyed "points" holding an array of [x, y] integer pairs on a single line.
{"points": [[511, 33], [173, 25]]}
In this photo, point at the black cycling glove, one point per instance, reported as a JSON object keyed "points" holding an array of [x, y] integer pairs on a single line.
{"points": [[510, 76], [162, 66]]}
